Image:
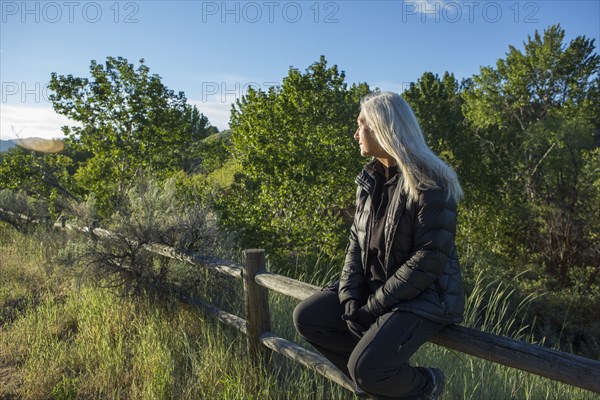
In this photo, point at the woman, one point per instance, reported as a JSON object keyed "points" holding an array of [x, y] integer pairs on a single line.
{"points": [[401, 282]]}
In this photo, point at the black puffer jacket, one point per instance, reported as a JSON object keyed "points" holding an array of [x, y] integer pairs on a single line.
{"points": [[421, 264]]}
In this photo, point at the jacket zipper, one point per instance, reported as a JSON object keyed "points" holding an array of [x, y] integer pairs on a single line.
{"points": [[368, 235]]}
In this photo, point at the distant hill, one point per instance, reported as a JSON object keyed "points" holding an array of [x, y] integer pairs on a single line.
{"points": [[6, 144]]}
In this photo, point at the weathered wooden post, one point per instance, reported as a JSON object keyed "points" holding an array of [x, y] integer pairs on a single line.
{"points": [[256, 299]]}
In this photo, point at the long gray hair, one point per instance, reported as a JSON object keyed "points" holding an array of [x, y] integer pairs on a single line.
{"points": [[395, 127]]}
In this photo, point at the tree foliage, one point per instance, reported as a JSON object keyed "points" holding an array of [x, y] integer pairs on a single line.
{"points": [[128, 121], [516, 106], [528, 86], [537, 113], [45, 177], [298, 160]]}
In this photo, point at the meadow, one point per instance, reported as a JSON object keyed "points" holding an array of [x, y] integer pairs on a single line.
{"points": [[63, 336]]}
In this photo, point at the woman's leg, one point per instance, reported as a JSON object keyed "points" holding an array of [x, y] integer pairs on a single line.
{"points": [[379, 363], [318, 319]]}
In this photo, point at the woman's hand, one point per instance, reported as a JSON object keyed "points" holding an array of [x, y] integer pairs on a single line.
{"points": [[358, 319]]}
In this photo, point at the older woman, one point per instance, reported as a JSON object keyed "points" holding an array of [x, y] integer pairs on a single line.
{"points": [[401, 282]]}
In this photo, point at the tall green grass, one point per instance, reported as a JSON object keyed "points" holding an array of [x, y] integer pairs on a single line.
{"points": [[70, 341], [85, 342], [493, 308]]}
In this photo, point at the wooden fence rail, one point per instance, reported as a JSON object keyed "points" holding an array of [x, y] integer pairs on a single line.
{"points": [[556, 365]]}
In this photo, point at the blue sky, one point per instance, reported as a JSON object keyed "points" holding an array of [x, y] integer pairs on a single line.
{"points": [[212, 50]]}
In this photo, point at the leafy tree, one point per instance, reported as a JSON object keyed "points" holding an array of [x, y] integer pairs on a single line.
{"points": [[214, 151], [436, 103], [128, 121], [44, 177], [298, 160], [590, 216], [509, 105], [535, 115]]}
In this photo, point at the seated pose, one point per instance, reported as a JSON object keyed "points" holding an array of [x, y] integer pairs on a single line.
{"points": [[401, 283]]}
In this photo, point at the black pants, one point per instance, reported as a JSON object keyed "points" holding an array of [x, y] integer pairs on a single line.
{"points": [[378, 362]]}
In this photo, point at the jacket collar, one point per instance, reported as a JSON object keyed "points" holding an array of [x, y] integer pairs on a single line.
{"points": [[366, 179]]}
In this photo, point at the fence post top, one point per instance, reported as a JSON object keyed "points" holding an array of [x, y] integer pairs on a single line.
{"points": [[254, 251]]}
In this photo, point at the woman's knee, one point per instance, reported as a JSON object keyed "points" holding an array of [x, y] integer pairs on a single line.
{"points": [[317, 311], [307, 313], [300, 315]]}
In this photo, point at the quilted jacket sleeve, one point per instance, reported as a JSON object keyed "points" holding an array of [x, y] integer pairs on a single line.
{"points": [[352, 279], [433, 237]]}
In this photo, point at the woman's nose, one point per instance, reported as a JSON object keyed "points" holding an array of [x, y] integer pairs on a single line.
{"points": [[356, 135]]}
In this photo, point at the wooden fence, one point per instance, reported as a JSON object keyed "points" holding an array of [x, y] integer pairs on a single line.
{"points": [[555, 365]]}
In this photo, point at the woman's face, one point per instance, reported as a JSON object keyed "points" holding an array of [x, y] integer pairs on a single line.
{"points": [[369, 146]]}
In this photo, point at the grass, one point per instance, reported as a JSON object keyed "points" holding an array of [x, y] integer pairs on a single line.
{"points": [[63, 340], [490, 307], [88, 342]]}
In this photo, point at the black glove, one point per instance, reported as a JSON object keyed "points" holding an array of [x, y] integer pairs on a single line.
{"points": [[350, 306], [351, 318], [358, 319]]}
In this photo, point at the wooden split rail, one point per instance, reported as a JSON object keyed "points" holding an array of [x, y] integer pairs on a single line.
{"points": [[555, 365]]}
